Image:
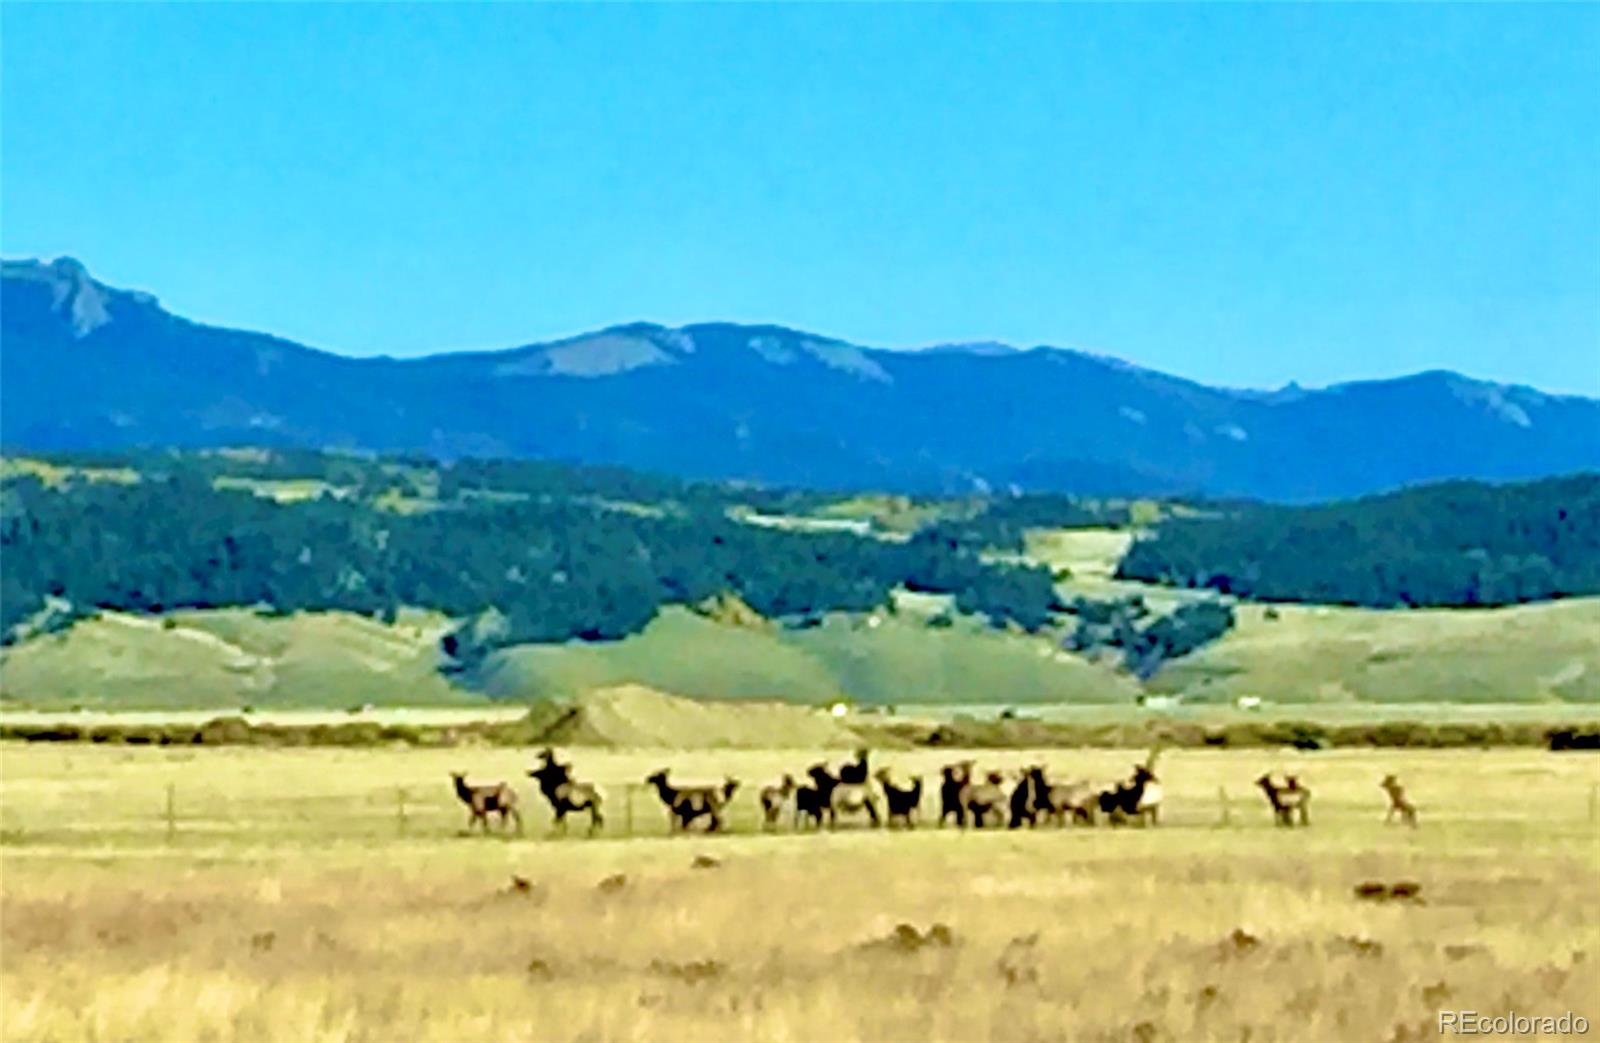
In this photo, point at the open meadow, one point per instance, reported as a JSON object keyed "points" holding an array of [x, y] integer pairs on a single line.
{"points": [[330, 894]]}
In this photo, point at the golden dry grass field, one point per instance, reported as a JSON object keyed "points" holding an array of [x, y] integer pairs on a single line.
{"points": [[293, 903]]}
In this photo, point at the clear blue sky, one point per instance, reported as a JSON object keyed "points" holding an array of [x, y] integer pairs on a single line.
{"points": [[1242, 195]]}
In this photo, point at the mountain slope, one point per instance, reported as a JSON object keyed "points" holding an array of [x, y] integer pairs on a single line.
{"points": [[83, 365]]}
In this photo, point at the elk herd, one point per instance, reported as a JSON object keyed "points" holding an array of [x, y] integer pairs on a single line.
{"points": [[823, 797]]}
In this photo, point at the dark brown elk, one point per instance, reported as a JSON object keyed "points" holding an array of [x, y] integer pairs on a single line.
{"points": [[954, 778], [903, 803], [855, 774], [490, 799], [1139, 798], [691, 803], [1024, 798], [1287, 800], [565, 795], [813, 802]]}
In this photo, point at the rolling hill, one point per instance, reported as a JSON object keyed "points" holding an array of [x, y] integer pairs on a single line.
{"points": [[87, 366], [286, 580]]}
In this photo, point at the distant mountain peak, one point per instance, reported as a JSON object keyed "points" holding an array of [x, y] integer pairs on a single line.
{"points": [[73, 294]]}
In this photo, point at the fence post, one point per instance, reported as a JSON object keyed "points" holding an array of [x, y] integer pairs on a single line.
{"points": [[172, 811], [400, 811], [627, 804], [1227, 813]]}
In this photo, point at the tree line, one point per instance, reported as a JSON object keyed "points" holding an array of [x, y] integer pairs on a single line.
{"points": [[1447, 544], [555, 565]]}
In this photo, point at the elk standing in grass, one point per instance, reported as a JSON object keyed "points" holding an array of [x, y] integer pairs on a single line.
{"points": [[489, 799], [1279, 816], [1055, 801], [773, 799], [1147, 794], [1398, 804], [1138, 798], [985, 801], [811, 803], [565, 795], [1025, 798], [954, 780], [1287, 801], [848, 797], [691, 803], [903, 803]]}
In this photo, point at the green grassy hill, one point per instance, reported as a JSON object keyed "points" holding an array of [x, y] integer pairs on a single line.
{"points": [[231, 657], [1545, 652], [235, 658], [898, 659], [1528, 653]]}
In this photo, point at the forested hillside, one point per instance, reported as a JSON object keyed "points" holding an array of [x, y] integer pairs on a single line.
{"points": [[517, 553], [520, 553], [1449, 544]]}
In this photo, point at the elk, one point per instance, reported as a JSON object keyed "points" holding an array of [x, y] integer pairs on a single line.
{"points": [[1279, 815], [854, 774], [1147, 793], [1025, 798], [984, 800], [1296, 798], [1398, 804], [850, 797], [954, 779], [565, 795], [483, 801], [694, 802], [1286, 800], [903, 803], [1110, 802], [773, 798], [1057, 800], [813, 802], [1139, 797]]}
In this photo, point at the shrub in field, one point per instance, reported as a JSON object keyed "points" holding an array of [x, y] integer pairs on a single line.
{"points": [[225, 731], [1302, 735], [355, 733], [1574, 739], [1399, 733], [44, 733]]}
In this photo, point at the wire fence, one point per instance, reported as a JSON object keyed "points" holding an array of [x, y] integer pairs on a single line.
{"points": [[179, 814]]}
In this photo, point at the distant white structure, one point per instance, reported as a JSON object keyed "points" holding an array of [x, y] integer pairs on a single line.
{"points": [[1248, 702], [1159, 702]]}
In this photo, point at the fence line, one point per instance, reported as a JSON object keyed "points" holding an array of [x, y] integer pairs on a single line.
{"points": [[419, 816]]}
